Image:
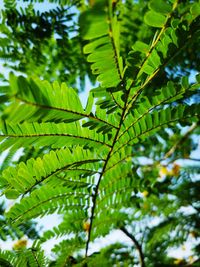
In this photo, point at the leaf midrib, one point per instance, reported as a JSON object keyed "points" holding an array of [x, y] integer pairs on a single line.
{"points": [[50, 135], [83, 115]]}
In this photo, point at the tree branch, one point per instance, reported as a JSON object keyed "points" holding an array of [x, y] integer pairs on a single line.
{"points": [[181, 141], [137, 245]]}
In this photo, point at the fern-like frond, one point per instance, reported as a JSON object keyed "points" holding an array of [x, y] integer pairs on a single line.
{"points": [[78, 216], [152, 122], [47, 200], [25, 177], [56, 135], [35, 100], [34, 256], [7, 258], [150, 59], [103, 48], [64, 251]]}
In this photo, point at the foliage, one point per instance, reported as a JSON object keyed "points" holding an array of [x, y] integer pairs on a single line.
{"points": [[25, 228], [113, 164], [45, 43]]}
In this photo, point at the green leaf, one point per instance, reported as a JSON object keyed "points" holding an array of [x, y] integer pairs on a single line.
{"points": [[195, 9], [160, 6], [154, 19], [103, 52], [140, 46], [12, 194], [198, 78], [25, 177], [185, 82]]}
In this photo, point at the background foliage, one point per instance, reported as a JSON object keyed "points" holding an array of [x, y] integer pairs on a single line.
{"points": [[126, 161]]}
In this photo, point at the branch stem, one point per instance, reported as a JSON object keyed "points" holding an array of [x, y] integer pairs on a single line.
{"points": [[137, 245], [181, 141]]}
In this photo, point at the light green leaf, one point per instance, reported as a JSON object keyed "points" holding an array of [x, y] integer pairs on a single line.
{"points": [[140, 46], [154, 19], [160, 6], [12, 194], [195, 9]]}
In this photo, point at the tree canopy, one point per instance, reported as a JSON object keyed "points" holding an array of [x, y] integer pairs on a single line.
{"points": [[127, 162]]}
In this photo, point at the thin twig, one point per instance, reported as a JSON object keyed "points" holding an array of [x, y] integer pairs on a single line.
{"points": [[137, 245], [181, 141]]}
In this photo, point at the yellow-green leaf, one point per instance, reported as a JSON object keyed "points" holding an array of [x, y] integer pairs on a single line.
{"points": [[154, 19]]}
